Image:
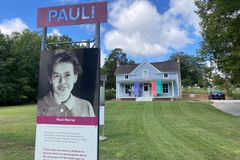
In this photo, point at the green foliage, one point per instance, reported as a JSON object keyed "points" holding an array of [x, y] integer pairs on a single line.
{"points": [[110, 94], [110, 66], [55, 38], [19, 60], [193, 70], [19, 67], [223, 83], [234, 94], [60, 42], [221, 37], [194, 90]]}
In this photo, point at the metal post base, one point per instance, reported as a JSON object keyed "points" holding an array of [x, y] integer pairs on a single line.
{"points": [[103, 138]]}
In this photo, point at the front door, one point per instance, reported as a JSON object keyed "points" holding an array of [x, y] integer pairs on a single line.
{"points": [[145, 90]]}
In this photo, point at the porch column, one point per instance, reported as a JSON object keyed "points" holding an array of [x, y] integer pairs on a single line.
{"points": [[117, 90], [172, 89]]}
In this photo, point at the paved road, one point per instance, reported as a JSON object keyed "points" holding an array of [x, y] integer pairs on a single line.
{"points": [[228, 106]]}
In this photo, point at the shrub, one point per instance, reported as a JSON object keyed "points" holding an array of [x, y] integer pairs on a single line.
{"points": [[110, 94], [234, 94]]}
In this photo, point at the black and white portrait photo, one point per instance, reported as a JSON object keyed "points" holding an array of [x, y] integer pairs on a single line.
{"points": [[68, 83]]}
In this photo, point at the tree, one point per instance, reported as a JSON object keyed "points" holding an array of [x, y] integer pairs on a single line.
{"points": [[19, 67], [19, 61], [221, 37], [60, 42], [55, 38], [193, 70], [4, 52], [110, 66]]}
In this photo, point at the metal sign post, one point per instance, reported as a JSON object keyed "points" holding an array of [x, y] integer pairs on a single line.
{"points": [[97, 35], [103, 78], [44, 39]]}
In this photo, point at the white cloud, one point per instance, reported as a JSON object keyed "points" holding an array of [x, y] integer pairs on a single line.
{"points": [[139, 29], [185, 9], [12, 25], [55, 32]]}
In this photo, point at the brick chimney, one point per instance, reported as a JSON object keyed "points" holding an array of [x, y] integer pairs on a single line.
{"points": [[178, 59], [118, 63]]}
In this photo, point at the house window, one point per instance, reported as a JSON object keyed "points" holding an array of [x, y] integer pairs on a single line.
{"points": [[145, 73], [126, 76], [145, 87], [165, 75], [165, 88], [127, 89]]}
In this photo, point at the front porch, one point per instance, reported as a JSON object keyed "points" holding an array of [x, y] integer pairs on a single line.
{"points": [[127, 90], [141, 99]]}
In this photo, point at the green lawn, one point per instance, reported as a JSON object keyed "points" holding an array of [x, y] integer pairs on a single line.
{"points": [[177, 130], [17, 132], [195, 90], [169, 130]]}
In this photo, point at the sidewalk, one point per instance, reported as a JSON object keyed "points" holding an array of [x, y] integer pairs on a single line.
{"points": [[228, 106]]}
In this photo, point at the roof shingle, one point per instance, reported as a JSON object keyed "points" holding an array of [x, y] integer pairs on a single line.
{"points": [[166, 66]]}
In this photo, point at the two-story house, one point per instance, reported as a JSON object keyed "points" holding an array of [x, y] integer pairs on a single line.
{"points": [[148, 81]]}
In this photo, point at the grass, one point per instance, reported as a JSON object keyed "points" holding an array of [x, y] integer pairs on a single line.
{"points": [[169, 130], [179, 130], [232, 93], [17, 132], [195, 90]]}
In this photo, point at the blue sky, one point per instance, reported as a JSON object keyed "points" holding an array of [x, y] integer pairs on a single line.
{"points": [[145, 30]]}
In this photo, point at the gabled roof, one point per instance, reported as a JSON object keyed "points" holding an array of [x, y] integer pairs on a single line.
{"points": [[125, 69], [144, 63], [167, 66]]}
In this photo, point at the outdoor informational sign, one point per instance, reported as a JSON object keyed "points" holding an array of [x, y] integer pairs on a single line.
{"points": [[68, 105], [84, 13]]}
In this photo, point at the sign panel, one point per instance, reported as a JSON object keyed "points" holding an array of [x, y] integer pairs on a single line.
{"points": [[84, 13], [68, 105]]}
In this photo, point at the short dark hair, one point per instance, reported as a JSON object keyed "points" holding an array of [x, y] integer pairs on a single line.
{"points": [[65, 56]]}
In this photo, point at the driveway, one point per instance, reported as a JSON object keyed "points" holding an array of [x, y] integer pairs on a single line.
{"points": [[228, 106]]}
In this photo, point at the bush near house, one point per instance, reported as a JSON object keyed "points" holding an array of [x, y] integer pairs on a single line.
{"points": [[234, 94], [110, 94]]}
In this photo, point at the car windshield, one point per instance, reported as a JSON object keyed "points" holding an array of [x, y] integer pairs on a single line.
{"points": [[217, 92]]}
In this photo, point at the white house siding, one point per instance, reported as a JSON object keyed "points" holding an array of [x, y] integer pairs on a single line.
{"points": [[151, 72], [153, 75]]}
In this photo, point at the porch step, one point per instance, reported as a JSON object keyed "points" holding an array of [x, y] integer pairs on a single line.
{"points": [[144, 99]]}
